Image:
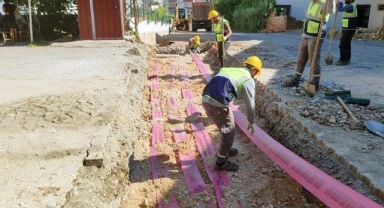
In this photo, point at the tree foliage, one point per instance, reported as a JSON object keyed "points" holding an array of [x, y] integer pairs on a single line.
{"points": [[246, 15], [54, 16]]}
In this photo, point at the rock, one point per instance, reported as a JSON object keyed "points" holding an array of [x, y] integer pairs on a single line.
{"points": [[332, 119], [305, 113], [206, 199]]}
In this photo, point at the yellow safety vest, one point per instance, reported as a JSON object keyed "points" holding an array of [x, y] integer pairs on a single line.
{"points": [[350, 19], [218, 30], [237, 77], [313, 20]]}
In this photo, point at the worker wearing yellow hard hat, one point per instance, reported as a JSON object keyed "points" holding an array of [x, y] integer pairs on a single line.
{"points": [[217, 27], [194, 45], [227, 85]]}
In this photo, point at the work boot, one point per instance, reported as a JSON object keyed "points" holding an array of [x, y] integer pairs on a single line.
{"points": [[227, 166], [341, 63], [292, 82], [233, 152]]}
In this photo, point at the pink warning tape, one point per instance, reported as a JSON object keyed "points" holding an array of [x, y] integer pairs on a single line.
{"points": [[183, 74], [171, 70], [192, 109], [195, 182], [329, 190], [187, 93], [157, 112], [157, 133]]}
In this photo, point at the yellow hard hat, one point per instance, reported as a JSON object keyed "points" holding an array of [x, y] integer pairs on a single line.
{"points": [[212, 14], [255, 62], [196, 39]]}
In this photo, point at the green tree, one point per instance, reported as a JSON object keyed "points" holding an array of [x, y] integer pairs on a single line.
{"points": [[248, 15]]}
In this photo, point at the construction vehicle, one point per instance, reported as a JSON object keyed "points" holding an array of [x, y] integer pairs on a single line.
{"points": [[200, 11], [198, 16], [181, 20]]}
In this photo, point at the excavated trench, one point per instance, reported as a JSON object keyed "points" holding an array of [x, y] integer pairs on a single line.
{"points": [[271, 186]]}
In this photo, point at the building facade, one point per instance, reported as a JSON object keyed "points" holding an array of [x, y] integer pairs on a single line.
{"points": [[370, 12]]}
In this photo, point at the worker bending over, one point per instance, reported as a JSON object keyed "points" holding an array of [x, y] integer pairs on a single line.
{"points": [[217, 23], [194, 45], [349, 24], [230, 84], [307, 45]]}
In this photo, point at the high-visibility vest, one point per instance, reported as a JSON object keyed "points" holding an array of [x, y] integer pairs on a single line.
{"points": [[313, 20], [237, 77], [218, 30], [350, 19]]}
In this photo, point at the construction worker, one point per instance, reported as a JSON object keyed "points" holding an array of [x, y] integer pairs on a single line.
{"points": [[217, 23], [227, 85], [307, 45], [194, 45], [349, 24]]}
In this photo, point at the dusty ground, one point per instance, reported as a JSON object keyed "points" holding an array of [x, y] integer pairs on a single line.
{"points": [[60, 105], [259, 182]]}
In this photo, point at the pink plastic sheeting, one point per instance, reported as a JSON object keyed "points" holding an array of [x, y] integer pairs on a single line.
{"points": [[183, 74], [154, 85], [157, 133], [187, 94], [159, 170], [172, 103], [171, 70], [156, 69], [193, 109], [157, 112], [195, 182], [329, 190]]}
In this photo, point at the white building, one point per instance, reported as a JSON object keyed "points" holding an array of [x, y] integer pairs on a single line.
{"points": [[370, 12]]}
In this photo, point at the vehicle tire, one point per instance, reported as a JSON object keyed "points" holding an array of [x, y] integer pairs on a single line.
{"points": [[194, 29], [208, 29]]}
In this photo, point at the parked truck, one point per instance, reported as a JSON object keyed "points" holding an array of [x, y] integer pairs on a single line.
{"points": [[200, 12]]}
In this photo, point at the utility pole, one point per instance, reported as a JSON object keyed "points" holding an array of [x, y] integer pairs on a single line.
{"points": [[135, 15]]}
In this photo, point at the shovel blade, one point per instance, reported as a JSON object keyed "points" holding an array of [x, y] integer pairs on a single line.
{"points": [[310, 89], [329, 59]]}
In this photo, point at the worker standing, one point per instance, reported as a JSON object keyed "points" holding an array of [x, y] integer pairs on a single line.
{"points": [[194, 45], [349, 25], [217, 23], [230, 84], [311, 28]]}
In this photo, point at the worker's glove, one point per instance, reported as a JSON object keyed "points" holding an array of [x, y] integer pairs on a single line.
{"points": [[250, 126], [190, 51], [340, 4], [225, 38]]}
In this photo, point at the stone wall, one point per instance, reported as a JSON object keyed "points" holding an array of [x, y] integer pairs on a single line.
{"points": [[282, 23], [365, 34]]}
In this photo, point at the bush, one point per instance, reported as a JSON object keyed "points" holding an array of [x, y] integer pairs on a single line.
{"points": [[249, 15]]}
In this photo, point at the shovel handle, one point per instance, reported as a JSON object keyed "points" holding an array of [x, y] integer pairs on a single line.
{"points": [[347, 109], [318, 42]]}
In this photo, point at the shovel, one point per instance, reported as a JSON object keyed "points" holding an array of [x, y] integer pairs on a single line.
{"points": [[375, 127], [329, 57], [308, 87], [222, 29]]}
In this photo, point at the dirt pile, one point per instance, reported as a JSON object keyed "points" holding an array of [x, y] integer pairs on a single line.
{"points": [[182, 50]]}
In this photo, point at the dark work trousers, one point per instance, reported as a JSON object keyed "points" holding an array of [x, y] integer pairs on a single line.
{"points": [[345, 45], [223, 119], [220, 48], [306, 51]]}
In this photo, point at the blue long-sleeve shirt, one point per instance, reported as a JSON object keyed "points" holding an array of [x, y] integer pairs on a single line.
{"points": [[347, 8]]}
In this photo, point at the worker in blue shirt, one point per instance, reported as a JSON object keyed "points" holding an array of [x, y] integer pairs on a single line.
{"points": [[349, 24]]}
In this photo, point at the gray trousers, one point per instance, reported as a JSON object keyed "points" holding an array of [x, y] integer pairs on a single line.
{"points": [[223, 119], [306, 52]]}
